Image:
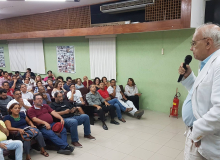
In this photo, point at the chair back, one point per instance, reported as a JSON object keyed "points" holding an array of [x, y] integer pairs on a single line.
{"points": [[84, 90]]}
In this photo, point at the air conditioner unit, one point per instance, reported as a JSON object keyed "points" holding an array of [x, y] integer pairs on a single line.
{"points": [[126, 6]]}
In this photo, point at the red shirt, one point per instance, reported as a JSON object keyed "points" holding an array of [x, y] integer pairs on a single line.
{"points": [[89, 83], [42, 113], [10, 92], [104, 93]]}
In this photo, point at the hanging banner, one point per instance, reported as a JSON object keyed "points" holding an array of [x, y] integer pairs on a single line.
{"points": [[2, 57], [66, 59]]}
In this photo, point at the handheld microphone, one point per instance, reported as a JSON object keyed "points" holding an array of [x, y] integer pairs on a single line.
{"points": [[187, 61]]}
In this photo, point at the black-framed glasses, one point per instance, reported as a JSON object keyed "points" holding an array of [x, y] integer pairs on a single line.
{"points": [[193, 43]]}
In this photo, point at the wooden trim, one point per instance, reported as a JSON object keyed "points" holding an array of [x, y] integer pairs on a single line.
{"points": [[186, 13], [121, 29], [182, 23]]}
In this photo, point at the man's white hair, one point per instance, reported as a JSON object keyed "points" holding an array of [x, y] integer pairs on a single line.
{"points": [[213, 33]]}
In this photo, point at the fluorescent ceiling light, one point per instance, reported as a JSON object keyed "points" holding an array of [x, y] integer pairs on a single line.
{"points": [[48, 0], [2, 0]]}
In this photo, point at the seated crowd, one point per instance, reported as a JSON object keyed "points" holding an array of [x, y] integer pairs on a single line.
{"points": [[49, 107]]}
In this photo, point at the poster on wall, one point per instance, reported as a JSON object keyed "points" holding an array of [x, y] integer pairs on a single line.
{"points": [[66, 59], [2, 57]]}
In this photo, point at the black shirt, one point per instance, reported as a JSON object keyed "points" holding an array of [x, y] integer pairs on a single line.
{"points": [[58, 107]]}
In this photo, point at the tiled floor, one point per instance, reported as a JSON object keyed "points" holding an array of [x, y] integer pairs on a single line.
{"points": [[154, 137]]}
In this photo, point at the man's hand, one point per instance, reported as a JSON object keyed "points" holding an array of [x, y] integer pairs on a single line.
{"points": [[107, 104], [83, 103], [73, 110], [67, 111], [3, 146], [15, 80], [182, 71], [21, 131], [114, 87], [21, 102], [99, 107], [124, 97], [73, 90], [47, 125], [62, 121], [138, 94]]}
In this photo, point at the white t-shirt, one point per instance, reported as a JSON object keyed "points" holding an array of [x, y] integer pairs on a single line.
{"points": [[131, 91], [22, 108], [118, 91], [76, 96], [27, 95]]}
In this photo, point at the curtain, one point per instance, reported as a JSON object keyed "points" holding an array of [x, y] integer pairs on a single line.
{"points": [[27, 54], [103, 57]]}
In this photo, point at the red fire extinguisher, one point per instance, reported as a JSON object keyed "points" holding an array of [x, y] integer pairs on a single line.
{"points": [[174, 109]]}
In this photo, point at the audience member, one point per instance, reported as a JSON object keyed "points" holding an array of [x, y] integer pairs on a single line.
{"points": [[39, 79], [79, 84], [86, 82], [104, 93], [131, 91], [50, 75], [5, 78], [37, 86], [105, 81], [32, 75], [60, 78], [41, 114], [71, 118], [115, 91], [27, 82], [45, 96], [1, 73], [18, 75], [67, 84], [96, 82], [18, 121], [50, 83], [25, 94], [9, 90], [15, 83], [94, 99], [58, 87], [28, 75], [4, 100], [75, 96], [24, 104], [9, 144]]}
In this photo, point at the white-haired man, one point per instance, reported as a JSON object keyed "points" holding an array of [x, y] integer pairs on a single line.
{"points": [[201, 109]]}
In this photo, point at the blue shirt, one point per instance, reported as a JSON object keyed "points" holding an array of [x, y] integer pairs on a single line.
{"points": [[187, 112], [17, 124], [66, 87]]}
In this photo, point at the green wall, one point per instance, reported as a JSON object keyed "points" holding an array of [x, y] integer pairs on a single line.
{"points": [[139, 57]]}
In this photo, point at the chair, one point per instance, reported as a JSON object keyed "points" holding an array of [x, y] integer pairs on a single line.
{"points": [[73, 81], [84, 90], [49, 92]]}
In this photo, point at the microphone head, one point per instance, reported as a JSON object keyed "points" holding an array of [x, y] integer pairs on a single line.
{"points": [[188, 59]]}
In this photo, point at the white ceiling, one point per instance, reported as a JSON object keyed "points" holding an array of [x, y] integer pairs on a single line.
{"points": [[15, 9]]}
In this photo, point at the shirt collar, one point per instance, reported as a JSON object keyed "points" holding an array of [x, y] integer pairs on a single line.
{"points": [[203, 63], [36, 107]]}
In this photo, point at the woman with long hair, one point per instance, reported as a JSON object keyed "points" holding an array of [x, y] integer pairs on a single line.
{"points": [[39, 79], [18, 121], [131, 91], [106, 82], [97, 82], [79, 84], [58, 87]]}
